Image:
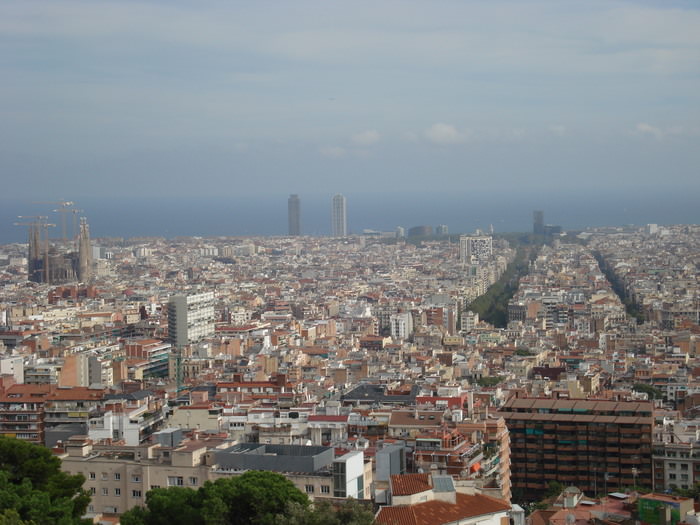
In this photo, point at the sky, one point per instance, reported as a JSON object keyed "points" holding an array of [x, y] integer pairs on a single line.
{"points": [[175, 100]]}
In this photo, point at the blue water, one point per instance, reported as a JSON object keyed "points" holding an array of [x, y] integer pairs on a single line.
{"points": [[267, 214]]}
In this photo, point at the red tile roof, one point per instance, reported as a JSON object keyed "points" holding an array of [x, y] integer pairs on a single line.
{"points": [[439, 512], [406, 484]]}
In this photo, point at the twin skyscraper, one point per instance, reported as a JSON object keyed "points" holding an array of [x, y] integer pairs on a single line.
{"points": [[339, 217]]}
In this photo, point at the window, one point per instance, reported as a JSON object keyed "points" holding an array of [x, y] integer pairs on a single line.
{"points": [[136, 479], [135, 493], [105, 491], [117, 476], [309, 489], [193, 481], [93, 490], [325, 489], [104, 476], [110, 510], [175, 481], [671, 476], [155, 487], [93, 475], [117, 492], [339, 489]]}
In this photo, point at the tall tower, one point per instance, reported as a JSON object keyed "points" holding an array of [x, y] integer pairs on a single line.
{"points": [[294, 214], [339, 219], [84, 252], [538, 222], [35, 259]]}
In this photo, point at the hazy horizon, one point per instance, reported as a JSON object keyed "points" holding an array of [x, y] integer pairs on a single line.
{"points": [[267, 214]]}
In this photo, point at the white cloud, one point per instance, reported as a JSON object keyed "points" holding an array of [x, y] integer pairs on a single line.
{"points": [[334, 152], [647, 129], [558, 129], [441, 133], [644, 128], [366, 138]]}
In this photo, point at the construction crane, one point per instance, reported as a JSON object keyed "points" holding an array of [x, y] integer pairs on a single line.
{"points": [[63, 209]]}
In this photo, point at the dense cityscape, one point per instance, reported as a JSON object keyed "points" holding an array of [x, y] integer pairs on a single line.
{"points": [[349, 263], [416, 371]]}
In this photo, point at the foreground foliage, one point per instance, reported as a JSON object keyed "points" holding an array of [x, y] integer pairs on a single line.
{"points": [[33, 489], [254, 498]]}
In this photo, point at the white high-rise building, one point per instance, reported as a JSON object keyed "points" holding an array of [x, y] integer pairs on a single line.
{"points": [[339, 219], [401, 325], [190, 318], [477, 246]]}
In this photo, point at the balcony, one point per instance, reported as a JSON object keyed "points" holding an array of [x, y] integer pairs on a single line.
{"points": [[630, 461]]}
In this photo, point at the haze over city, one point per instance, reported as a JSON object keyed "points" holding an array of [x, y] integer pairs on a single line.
{"points": [[165, 106]]}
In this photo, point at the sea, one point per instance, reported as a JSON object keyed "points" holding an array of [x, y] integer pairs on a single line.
{"points": [[266, 214]]}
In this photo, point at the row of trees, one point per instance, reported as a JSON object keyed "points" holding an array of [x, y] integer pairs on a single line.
{"points": [[618, 286], [254, 498], [34, 490], [493, 305]]}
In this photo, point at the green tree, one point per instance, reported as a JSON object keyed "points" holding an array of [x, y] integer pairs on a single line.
{"points": [[171, 506], [254, 498], [489, 380], [350, 512], [692, 492], [652, 392], [554, 488], [33, 489]]}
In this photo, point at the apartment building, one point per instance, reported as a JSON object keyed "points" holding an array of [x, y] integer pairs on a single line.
{"points": [[118, 477], [593, 445]]}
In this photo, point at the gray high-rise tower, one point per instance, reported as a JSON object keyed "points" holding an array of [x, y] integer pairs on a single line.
{"points": [[538, 222], [294, 214], [339, 219]]}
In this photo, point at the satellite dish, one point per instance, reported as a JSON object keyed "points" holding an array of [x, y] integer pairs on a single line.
{"points": [[570, 519]]}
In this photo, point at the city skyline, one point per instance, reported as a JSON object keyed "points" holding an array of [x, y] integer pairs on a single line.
{"points": [[267, 215], [199, 101]]}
